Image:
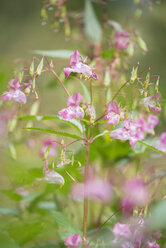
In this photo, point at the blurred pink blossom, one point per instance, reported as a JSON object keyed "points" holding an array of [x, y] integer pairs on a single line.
{"points": [[73, 241], [14, 92], [95, 189], [136, 194], [122, 39], [74, 100], [161, 144], [78, 66]]}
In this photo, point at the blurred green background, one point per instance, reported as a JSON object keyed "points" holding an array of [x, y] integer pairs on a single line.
{"points": [[21, 32]]}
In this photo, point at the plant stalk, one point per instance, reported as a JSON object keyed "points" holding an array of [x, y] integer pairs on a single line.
{"points": [[85, 215]]}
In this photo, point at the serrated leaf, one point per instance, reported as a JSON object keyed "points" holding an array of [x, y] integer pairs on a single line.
{"points": [[74, 123], [92, 26], [54, 132]]}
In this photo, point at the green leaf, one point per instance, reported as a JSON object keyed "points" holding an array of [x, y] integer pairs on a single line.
{"points": [[54, 132], [151, 147], [92, 25], [74, 123], [6, 241], [157, 220], [23, 232], [61, 54], [65, 224], [86, 92]]}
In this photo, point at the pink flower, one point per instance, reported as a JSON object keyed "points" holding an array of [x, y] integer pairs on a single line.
{"points": [[152, 244], [52, 150], [135, 130], [122, 39], [74, 100], [73, 241], [151, 103], [74, 110], [113, 114], [161, 145], [122, 231], [136, 194], [14, 92], [95, 189], [78, 66]]}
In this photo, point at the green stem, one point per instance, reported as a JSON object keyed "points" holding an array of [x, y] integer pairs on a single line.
{"points": [[85, 216], [60, 81]]}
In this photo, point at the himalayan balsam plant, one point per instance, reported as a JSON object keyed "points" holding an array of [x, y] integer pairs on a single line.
{"points": [[94, 191]]}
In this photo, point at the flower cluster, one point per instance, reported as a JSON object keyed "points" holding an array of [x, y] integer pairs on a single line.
{"points": [[135, 130], [134, 235], [74, 110]]}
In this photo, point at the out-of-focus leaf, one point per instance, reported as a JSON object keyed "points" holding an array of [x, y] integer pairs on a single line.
{"points": [[157, 219], [141, 43], [46, 205], [54, 132], [6, 241], [23, 232], [12, 195], [12, 151], [108, 54], [31, 197], [115, 25], [74, 123], [5, 211], [92, 25], [151, 147], [65, 224], [61, 54]]}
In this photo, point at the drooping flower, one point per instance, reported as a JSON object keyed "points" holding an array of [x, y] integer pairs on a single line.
{"points": [[95, 189], [14, 92], [136, 194], [73, 241], [52, 149], [151, 102], [74, 110], [122, 39], [78, 66], [113, 114], [90, 111], [51, 176]]}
